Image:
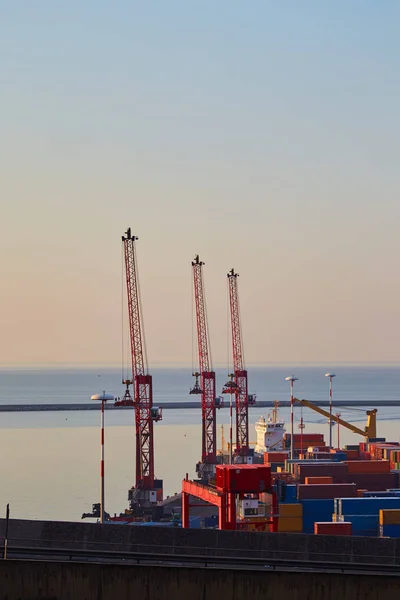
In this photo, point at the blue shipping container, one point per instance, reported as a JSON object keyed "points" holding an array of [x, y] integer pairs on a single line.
{"points": [[339, 456], [365, 506], [288, 494], [316, 510], [383, 494], [391, 530]]}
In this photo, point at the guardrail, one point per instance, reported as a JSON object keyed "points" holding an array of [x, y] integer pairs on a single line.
{"points": [[182, 560]]}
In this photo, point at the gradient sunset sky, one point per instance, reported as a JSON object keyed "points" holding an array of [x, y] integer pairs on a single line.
{"points": [[262, 135]]}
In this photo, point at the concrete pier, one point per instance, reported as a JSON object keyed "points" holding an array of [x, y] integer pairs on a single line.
{"points": [[30, 580]]}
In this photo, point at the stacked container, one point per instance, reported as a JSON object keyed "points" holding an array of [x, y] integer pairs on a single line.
{"points": [[389, 523], [329, 528], [315, 511], [290, 518], [331, 491], [363, 513]]}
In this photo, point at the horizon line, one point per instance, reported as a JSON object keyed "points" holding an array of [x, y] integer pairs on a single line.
{"points": [[182, 365]]}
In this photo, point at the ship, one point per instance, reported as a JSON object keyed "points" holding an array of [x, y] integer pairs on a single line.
{"points": [[270, 432]]}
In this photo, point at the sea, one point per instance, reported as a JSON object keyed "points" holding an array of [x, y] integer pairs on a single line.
{"points": [[49, 461]]}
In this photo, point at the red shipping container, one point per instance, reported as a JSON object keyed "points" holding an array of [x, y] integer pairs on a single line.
{"points": [[307, 437], [334, 528], [275, 457], [373, 482], [243, 478], [328, 491], [336, 470], [368, 466], [365, 455], [352, 454]]}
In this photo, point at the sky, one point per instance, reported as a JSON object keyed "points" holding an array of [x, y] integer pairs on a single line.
{"points": [[261, 135]]}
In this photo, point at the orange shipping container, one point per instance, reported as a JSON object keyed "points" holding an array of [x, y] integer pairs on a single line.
{"points": [[318, 480], [275, 457], [368, 466]]}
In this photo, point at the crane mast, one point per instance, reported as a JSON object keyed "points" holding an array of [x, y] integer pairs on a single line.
{"points": [[145, 413], [240, 386], [207, 376]]}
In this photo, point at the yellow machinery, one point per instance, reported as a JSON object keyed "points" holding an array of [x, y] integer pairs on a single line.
{"points": [[368, 432]]}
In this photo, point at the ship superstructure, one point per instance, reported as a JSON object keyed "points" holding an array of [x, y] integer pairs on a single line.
{"points": [[270, 432]]}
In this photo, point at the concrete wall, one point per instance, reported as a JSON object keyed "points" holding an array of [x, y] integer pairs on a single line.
{"points": [[200, 542], [63, 581]]}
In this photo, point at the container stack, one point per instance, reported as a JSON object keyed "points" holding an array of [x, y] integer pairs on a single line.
{"points": [[389, 523], [363, 513], [327, 491], [316, 511], [276, 460], [304, 441], [290, 518], [372, 475]]}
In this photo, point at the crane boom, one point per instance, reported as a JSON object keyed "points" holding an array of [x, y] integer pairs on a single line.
{"points": [[207, 375], [142, 381], [368, 432], [240, 373]]}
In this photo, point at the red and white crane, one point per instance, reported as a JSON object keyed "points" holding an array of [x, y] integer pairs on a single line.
{"points": [[147, 489], [206, 387], [239, 383]]}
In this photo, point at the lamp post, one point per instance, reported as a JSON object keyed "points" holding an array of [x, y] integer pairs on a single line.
{"points": [[103, 399], [338, 428], [292, 379], [331, 376]]}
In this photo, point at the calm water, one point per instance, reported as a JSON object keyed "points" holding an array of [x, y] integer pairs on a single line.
{"points": [[49, 461]]}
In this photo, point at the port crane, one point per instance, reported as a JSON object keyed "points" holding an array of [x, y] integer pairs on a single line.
{"points": [[368, 432], [204, 379], [147, 490], [238, 385]]}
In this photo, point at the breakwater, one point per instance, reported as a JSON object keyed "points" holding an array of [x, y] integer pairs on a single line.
{"points": [[184, 405]]}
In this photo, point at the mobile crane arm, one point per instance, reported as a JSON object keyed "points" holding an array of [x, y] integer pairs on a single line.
{"points": [[369, 430]]}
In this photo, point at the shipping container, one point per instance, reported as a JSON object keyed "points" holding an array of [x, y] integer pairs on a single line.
{"points": [[365, 506], [352, 455], [336, 470], [317, 480], [290, 524], [391, 530], [331, 528], [370, 466], [286, 492], [373, 481], [315, 510], [389, 516], [275, 457], [366, 525], [308, 438], [243, 478], [333, 490], [379, 494], [290, 510]]}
